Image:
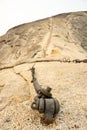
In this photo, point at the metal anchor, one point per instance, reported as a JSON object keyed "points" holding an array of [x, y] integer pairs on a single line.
{"points": [[44, 102]]}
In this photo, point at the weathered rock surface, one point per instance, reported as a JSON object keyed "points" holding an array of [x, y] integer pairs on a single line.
{"points": [[56, 38], [52, 44]]}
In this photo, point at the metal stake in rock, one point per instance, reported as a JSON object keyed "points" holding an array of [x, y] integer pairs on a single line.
{"points": [[44, 102]]}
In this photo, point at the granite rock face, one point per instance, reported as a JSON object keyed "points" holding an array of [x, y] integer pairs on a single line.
{"points": [[56, 38], [57, 46]]}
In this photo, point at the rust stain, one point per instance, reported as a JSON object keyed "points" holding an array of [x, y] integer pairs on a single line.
{"points": [[55, 52]]}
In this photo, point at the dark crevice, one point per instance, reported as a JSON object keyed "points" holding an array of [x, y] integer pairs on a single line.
{"points": [[65, 61], [38, 61], [35, 54]]}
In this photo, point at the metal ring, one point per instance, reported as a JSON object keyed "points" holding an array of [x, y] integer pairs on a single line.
{"points": [[57, 106], [41, 105]]}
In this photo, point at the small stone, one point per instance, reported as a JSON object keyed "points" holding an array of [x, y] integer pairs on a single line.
{"points": [[8, 120]]}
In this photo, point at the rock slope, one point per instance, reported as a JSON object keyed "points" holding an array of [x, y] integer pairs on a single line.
{"points": [[57, 46], [56, 38]]}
